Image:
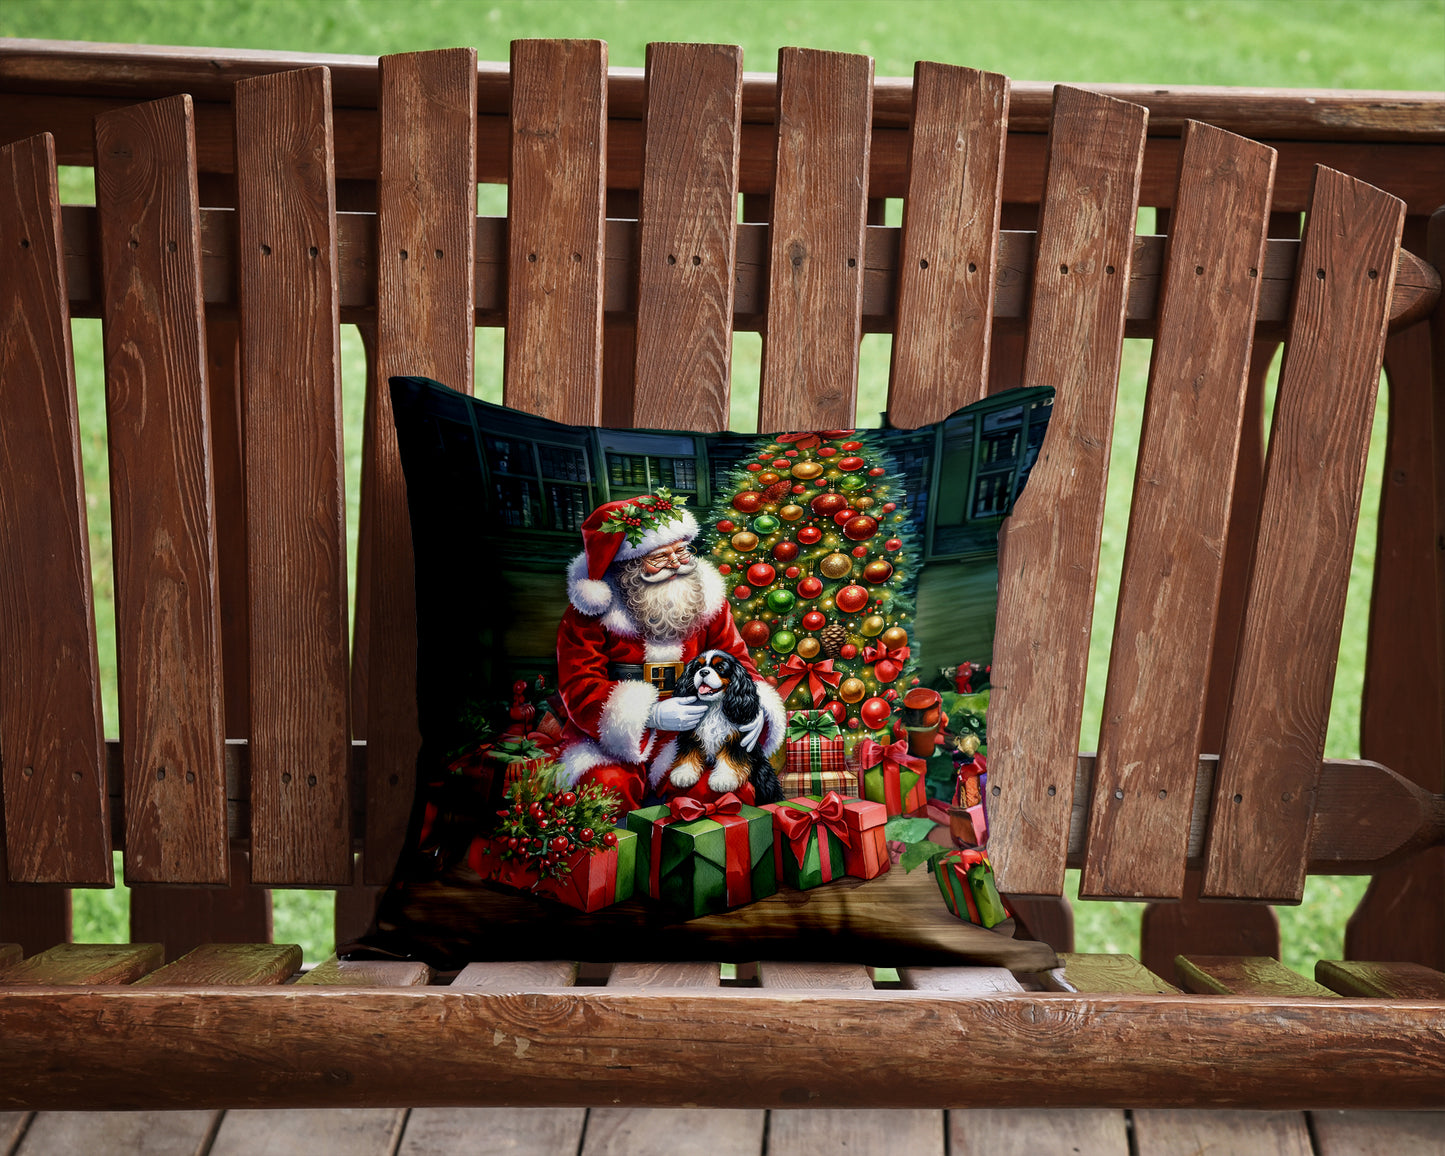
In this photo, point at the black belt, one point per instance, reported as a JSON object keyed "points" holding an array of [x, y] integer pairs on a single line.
{"points": [[662, 675]]}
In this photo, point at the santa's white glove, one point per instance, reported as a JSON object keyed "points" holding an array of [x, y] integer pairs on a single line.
{"points": [[754, 731], [676, 714]]}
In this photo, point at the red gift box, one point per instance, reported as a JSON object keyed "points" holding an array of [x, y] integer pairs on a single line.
{"points": [[865, 852], [591, 879]]}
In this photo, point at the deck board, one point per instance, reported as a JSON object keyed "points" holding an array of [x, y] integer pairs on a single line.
{"points": [[674, 1132], [998, 1132], [1379, 1133], [515, 1131], [1171, 1131], [313, 1131], [918, 1132], [123, 1133]]}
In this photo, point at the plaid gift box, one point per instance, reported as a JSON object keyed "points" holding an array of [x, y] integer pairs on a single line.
{"points": [[966, 880], [592, 879], [704, 857], [815, 750]]}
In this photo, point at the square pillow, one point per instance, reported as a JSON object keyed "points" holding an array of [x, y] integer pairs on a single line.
{"points": [[698, 696]]}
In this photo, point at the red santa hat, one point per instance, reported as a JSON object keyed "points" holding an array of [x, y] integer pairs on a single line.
{"points": [[626, 529]]}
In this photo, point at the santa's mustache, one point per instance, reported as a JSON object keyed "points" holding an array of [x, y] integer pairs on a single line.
{"points": [[665, 609], [666, 573]]}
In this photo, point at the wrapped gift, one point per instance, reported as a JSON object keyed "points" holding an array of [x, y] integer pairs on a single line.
{"points": [[866, 855], [518, 757], [704, 857], [814, 754], [810, 840], [892, 776], [968, 826], [966, 880], [590, 878]]}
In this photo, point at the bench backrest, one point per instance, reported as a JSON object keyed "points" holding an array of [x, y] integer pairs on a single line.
{"points": [[227, 493]]}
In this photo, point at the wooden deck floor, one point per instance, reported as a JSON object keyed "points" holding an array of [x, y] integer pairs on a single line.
{"points": [[685, 1132]]}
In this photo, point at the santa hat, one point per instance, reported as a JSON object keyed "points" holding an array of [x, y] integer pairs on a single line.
{"points": [[626, 529]]}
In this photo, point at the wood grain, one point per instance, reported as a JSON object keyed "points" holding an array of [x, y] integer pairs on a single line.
{"points": [[333, 1132], [167, 617], [664, 975], [335, 972], [1238, 1133], [295, 501], [917, 1132], [56, 820], [1154, 700], [1382, 980], [947, 267], [426, 217], [1049, 551], [816, 260], [1242, 975], [34, 915], [1275, 733], [1378, 1133], [469, 1131], [183, 918], [1096, 972], [1190, 925], [1027, 1131], [959, 980], [228, 963], [555, 206], [795, 976], [687, 235], [71, 964], [151, 1133], [523, 975], [680, 1131], [12, 1127]]}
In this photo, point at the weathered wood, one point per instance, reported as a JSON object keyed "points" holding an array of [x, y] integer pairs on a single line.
{"points": [[1189, 925], [335, 972], [1049, 554], [469, 1131], [1238, 1133], [664, 975], [13, 1126], [519, 976], [856, 1130], [228, 963], [1377, 1133], [948, 252], [555, 206], [1275, 732], [151, 1133], [1154, 702], [684, 1131], [1383, 980], [426, 218], [1024, 1132], [34, 915], [1242, 975], [687, 235], [183, 918], [72, 964], [1094, 972], [168, 630], [295, 500], [10, 953], [329, 1132], [56, 822], [959, 980], [816, 260], [791, 975]]}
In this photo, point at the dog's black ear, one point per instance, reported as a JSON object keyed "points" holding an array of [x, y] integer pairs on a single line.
{"points": [[740, 698]]}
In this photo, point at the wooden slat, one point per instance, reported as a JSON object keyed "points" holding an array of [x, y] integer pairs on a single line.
{"points": [[9, 953], [1382, 980], [85, 963], [1154, 701], [56, 823], [664, 975], [947, 267], [1027, 1131], [426, 217], [335, 972], [33, 915], [470, 1131], [228, 963], [555, 206], [687, 234], [917, 1131], [676, 1131], [1097, 972], [1378, 1133], [1243, 975], [183, 918], [319, 1132], [1049, 552], [167, 618], [151, 1133], [792, 975], [1174, 1131], [816, 259], [959, 980], [522, 975], [1190, 925], [1275, 734], [13, 1126], [300, 742]]}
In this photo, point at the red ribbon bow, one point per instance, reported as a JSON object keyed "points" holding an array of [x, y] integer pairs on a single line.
{"points": [[870, 754], [798, 827], [806, 441], [971, 858], [818, 675], [689, 810], [881, 651]]}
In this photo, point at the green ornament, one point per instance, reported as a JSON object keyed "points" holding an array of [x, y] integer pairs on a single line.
{"points": [[783, 641], [851, 482], [782, 602], [765, 523]]}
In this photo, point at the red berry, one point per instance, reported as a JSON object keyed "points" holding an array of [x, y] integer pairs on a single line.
{"points": [[559, 844], [543, 824], [586, 835], [876, 472], [609, 839], [800, 489], [513, 843], [568, 799], [503, 814], [724, 569]]}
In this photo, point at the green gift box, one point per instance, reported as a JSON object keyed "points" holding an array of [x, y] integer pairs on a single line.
{"points": [[966, 880], [704, 857], [810, 840]]}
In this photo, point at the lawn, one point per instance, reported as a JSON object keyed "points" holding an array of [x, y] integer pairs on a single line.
{"points": [[1383, 44]]}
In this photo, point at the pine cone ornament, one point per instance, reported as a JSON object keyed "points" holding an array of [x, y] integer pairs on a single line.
{"points": [[832, 638]]}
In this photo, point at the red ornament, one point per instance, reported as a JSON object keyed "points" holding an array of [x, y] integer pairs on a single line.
{"points": [[848, 650], [586, 835], [851, 447], [875, 712], [781, 464], [800, 489], [785, 551], [844, 516], [810, 535], [791, 572], [889, 507], [851, 599], [853, 724], [876, 472], [756, 633], [893, 544], [724, 569], [761, 574], [754, 467], [767, 479], [765, 455], [814, 620], [826, 505], [861, 528], [748, 502], [885, 670], [742, 593], [822, 483], [609, 839], [810, 587], [790, 453], [860, 551], [826, 451], [838, 709], [877, 571], [725, 527], [850, 463]]}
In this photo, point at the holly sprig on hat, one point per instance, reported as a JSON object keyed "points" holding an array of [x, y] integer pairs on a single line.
{"points": [[641, 516]]}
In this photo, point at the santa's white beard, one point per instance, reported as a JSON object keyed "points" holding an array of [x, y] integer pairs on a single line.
{"points": [[668, 608]]}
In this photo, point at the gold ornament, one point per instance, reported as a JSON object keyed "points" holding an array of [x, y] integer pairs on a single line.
{"points": [[872, 625], [745, 540], [894, 636], [808, 648], [863, 503], [836, 565], [806, 471], [790, 513], [852, 690]]}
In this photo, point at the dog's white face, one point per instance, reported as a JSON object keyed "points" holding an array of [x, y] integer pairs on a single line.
{"points": [[712, 675]]}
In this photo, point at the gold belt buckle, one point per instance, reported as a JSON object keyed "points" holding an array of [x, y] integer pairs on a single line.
{"points": [[662, 675]]}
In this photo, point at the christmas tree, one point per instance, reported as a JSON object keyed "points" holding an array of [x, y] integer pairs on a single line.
{"points": [[811, 536]]}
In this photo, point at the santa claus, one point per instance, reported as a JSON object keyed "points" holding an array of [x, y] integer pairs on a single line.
{"points": [[642, 606]]}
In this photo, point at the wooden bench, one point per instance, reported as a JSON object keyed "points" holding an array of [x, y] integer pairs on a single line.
{"points": [[248, 203]]}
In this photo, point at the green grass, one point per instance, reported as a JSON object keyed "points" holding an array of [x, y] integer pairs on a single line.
{"points": [[1301, 43]]}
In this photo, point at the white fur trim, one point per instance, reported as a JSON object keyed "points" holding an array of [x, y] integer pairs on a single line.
{"points": [[620, 622], [682, 528], [662, 651], [772, 705], [591, 596], [714, 594], [577, 760], [623, 724], [662, 764]]}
